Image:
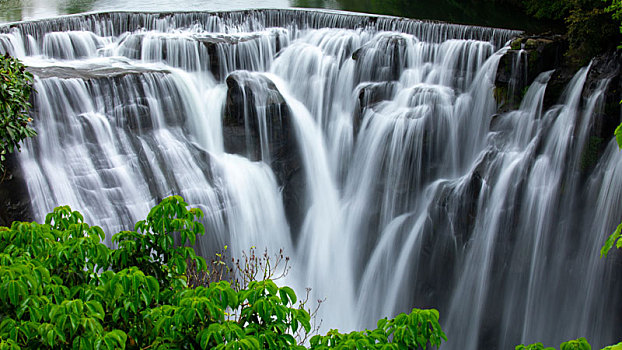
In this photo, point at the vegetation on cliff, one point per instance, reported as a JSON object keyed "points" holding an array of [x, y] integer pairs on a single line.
{"points": [[590, 29]]}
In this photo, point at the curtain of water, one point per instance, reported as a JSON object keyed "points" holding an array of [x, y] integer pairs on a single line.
{"points": [[379, 130]]}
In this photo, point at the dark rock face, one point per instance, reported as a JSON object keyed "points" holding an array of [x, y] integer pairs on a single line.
{"points": [[121, 89], [256, 114], [370, 94], [604, 68], [527, 58], [544, 53], [219, 46], [253, 100], [88, 72], [532, 55], [14, 193], [382, 59]]}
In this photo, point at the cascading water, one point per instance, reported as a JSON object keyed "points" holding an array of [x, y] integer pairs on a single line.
{"points": [[367, 147]]}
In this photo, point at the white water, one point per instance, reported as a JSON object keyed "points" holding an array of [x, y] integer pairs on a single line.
{"points": [[410, 193]]}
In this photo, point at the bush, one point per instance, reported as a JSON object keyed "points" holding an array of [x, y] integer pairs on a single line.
{"points": [[15, 90], [62, 288], [548, 9], [590, 29], [577, 344]]}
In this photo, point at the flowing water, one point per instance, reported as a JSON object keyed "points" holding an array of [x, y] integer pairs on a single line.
{"points": [[367, 147]]}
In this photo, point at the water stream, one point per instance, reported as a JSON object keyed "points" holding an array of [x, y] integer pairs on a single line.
{"points": [[367, 147]]}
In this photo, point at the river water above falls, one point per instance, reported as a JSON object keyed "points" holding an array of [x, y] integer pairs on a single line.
{"points": [[368, 148]]}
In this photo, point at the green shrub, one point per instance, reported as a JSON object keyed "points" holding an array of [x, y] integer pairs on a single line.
{"points": [[548, 9], [62, 288], [578, 344], [590, 29], [15, 90]]}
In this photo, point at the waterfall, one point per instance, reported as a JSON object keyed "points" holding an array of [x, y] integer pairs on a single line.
{"points": [[367, 147]]}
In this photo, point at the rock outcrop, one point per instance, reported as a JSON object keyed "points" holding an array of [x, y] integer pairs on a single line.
{"points": [[14, 193], [527, 57], [257, 124], [604, 69]]}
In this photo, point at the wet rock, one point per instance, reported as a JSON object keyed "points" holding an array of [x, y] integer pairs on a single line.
{"points": [[370, 94], [15, 204], [136, 116], [120, 93], [215, 43], [252, 99], [544, 53], [88, 72], [527, 57], [382, 59], [254, 104], [230, 47], [604, 68]]}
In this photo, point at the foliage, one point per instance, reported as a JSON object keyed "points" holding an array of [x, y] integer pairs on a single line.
{"points": [[15, 90], [578, 344], [61, 287], [413, 331], [614, 347], [548, 9], [615, 8], [614, 238], [590, 29], [618, 135], [536, 346]]}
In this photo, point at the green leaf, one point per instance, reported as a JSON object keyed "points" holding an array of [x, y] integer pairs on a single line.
{"points": [[15, 291], [287, 293], [618, 134], [611, 240], [578, 344], [614, 347]]}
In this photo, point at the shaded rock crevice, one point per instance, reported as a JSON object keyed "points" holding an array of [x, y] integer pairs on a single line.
{"points": [[14, 193], [257, 124]]}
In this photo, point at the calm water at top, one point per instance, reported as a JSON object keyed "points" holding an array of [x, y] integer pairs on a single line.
{"points": [[466, 12], [16, 10]]}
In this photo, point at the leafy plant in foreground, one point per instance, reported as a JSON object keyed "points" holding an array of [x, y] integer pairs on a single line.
{"points": [[614, 238], [577, 344], [62, 288]]}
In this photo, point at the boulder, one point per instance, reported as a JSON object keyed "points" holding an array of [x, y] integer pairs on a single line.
{"points": [[604, 68], [370, 94], [253, 100], [527, 57], [14, 193], [221, 46], [382, 59]]}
